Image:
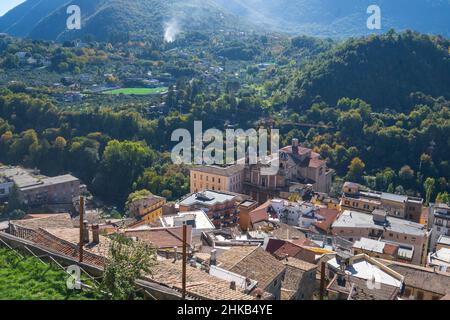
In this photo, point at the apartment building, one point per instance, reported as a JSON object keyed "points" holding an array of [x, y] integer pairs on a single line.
{"points": [[36, 189], [439, 222], [148, 209], [220, 207], [354, 197], [354, 225], [216, 178]]}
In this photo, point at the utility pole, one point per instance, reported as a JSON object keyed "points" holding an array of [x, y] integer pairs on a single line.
{"points": [[81, 229], [184, 261]]}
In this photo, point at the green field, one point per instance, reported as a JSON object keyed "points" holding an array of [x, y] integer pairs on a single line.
{"points": [[137, 91], [31, 279]]}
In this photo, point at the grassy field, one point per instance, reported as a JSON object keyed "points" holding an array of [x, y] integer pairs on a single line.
{"points": [[30, 279], [137, 91]]}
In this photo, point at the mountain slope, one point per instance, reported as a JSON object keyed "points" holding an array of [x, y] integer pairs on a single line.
{"points": [[382, 70], [103, 19], [343, 18], [22, 19]]}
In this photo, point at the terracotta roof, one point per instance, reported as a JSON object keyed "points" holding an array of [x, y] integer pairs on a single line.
{"points": [[295, 269], [316, 163], [287, 232], [53, 243], [357, 289], [255, 264], [72, 235], [300, 264], [422, 278], [329, 215], [260, 214], [162, 238], [198, 283], [274, 244], [61, 220], [288, 249]]}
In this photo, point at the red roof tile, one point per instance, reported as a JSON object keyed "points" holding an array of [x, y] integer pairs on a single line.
{"points": [[330, 216], [260, 214], [162, 238]]}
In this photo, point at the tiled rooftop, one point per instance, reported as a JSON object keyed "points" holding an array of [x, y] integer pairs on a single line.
{"points": [[162, 238], [253, 263], [35, 221], [354, 219], [198, 283]]}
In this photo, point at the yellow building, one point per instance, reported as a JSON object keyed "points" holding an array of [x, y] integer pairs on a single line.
{"points": [[149, 209], [217, 178]]}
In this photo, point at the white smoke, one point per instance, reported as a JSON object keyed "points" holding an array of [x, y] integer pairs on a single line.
{"points": [[171, 30]]}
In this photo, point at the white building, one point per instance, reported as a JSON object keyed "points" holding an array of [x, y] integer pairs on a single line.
{"points": [[198, 220], [298, 214], [439, 222]]}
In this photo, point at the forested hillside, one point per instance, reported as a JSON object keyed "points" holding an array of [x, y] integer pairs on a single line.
{"points": [[383, 71]]}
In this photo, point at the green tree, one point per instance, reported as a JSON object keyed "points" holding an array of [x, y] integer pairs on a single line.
{"points": [[429, 188], [443, 197], [122, 163], [356, 170], [127, 261]]}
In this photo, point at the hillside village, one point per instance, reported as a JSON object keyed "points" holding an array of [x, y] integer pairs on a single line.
{"points": [[359, 207], [246, 238]]}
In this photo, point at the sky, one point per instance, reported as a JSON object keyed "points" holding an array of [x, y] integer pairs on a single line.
{"points": [[6, 5]]}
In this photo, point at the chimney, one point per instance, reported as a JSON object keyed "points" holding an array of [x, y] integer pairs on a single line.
{"points": [[213, 259], [295, 144], [233, 285], [95, 234], [85, 232]]}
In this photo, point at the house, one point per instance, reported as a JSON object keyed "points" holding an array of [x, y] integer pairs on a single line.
{"points": [[421, 283], [372, 274], [38, 190], [220, 207], [439, 222], [257, 264], [147, 208], [299, 280], [198, 220], [216, 178], [250, 218], [354, 225], [353, 288], [384, 250], [355, 198]]}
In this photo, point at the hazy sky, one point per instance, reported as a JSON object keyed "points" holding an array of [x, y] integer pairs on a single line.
{"points": [[5, 5]]}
